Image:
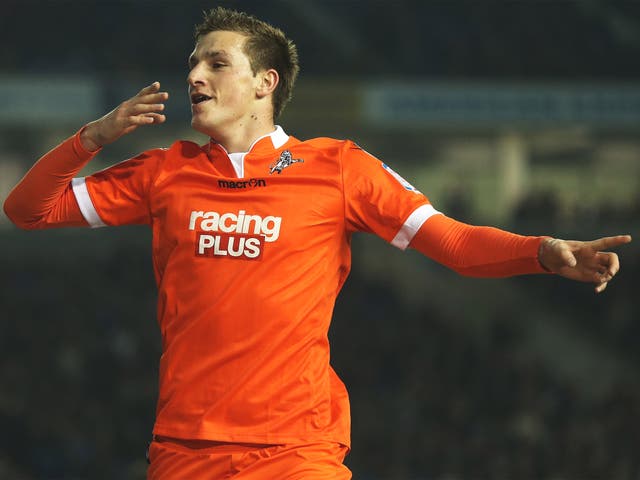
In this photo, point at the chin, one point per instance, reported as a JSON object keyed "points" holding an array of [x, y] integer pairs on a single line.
{"points": [[198, 126]]}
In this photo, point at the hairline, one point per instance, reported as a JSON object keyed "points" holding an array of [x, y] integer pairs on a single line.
{"points": [[243, 48]]}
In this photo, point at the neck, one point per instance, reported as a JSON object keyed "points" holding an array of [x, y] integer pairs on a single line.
{"points": [[243, 135]]}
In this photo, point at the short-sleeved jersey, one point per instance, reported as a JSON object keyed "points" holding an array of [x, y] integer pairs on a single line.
{"points": [[249, 256]]}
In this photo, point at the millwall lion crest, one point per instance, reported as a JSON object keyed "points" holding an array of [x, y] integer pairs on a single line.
{"points": [[283, 162]]}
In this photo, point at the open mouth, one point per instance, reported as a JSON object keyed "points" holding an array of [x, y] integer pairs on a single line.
{"points": [[197, 98]]}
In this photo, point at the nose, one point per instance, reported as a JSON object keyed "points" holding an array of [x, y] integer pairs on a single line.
{"points": [[196, 76]]}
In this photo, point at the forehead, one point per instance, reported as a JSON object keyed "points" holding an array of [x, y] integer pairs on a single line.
{"points": [[222, 41]]}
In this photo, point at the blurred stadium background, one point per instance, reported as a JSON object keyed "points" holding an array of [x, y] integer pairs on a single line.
{"points": [[521, 114]]}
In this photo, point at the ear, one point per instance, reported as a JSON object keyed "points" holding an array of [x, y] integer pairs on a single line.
{"points": [[267, 82]]}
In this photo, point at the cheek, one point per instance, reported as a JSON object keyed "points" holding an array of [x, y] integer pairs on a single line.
{"points": [[239, 92]]}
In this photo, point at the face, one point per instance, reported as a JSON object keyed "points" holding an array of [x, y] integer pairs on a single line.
{"points": [[222, 86]]}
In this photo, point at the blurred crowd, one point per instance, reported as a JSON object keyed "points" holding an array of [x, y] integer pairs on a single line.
{"points": [[433, 397], [527, 39]]}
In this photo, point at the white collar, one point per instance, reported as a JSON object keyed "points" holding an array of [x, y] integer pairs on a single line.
{"points": [[278, 139]]}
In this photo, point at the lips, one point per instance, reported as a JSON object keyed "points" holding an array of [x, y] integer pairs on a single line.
{"points": [[197, 98]]}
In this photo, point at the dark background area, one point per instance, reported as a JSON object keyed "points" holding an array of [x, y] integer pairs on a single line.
{"points": [[507, 39], [449, 377]]}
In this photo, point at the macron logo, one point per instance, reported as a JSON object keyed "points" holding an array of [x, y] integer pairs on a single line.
{"points": [[233, 235], [251, 183]]}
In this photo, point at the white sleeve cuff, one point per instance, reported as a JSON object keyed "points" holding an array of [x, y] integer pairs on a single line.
{"points": [[86, 205], [412, 225]]}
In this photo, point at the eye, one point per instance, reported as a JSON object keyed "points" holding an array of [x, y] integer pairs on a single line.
{"points": [[217, 65]]}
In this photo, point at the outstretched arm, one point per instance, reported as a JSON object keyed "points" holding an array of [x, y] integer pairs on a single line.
{"points": [[44, 198], [491, 252]]}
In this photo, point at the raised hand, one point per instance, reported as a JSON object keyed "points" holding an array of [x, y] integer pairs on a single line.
{"points": [[583, 261], [142, 109]]}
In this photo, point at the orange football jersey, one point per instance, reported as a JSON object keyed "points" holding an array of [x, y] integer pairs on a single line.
{"points": [[250, 251]]}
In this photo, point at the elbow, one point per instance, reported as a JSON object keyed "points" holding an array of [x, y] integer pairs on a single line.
{"points": [[10, 211], [16, 216]]}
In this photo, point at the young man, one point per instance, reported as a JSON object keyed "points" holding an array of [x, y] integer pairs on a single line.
{"points": [[251, 245]]}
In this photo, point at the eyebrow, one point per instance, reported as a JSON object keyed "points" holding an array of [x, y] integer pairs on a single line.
{"points": [[208, 54]]}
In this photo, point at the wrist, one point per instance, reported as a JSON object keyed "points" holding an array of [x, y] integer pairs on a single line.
{"points": [[88, 140], [541, 250]]}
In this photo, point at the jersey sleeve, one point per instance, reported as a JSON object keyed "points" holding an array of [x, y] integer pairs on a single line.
{"points": [[478, 251], [44, 197], [379, 201], [119, 195]]}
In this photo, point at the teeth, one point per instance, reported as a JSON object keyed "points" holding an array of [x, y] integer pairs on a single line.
{"points": [[200, 98]]}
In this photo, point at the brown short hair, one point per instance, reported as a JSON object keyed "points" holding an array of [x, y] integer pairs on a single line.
{"points": [[266, 47]]}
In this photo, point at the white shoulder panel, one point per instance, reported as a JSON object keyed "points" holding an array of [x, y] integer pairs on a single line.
{"points": [[412, 225]]}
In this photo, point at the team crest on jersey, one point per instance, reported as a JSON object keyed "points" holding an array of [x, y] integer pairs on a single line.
{"points": [[285, 160], [401, 180]]}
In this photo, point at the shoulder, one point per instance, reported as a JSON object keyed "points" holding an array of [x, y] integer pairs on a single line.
{"points": [[176, 154], [325, 142], [185, 149], [325, 146], [155, 160]]}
